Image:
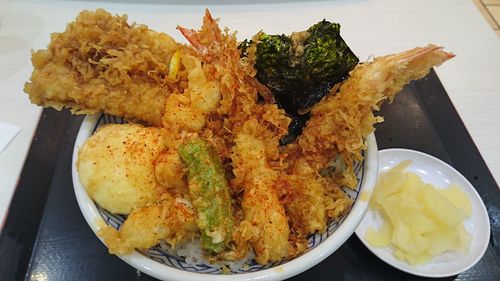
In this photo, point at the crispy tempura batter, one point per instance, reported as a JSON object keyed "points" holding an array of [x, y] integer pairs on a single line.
{"points": [[239, 89], [101, 63], [308, 205], [172, 219], [116, 167], [281, 194], [265, 224], [242, 120], [339, 124]]}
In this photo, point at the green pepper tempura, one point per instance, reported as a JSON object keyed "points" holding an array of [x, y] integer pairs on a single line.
{"points": [[209, 193]]}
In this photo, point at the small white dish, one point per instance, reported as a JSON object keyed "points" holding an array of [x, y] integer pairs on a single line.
{"points": [[441, 175]]}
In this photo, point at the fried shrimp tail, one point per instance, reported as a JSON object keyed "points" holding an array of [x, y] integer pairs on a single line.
{"points": [[209, 35], [173, 219], [340, 122]]}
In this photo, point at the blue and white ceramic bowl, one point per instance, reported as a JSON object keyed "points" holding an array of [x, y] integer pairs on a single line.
{"points": [[159, 261]]}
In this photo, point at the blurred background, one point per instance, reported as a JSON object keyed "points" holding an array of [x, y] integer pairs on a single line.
{"points": [[490, 9]]}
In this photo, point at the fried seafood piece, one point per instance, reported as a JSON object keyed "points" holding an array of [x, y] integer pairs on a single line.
{"points": [[314, 200], [336, 200], [265, 223], [116, 166], [239, 90], [188, 110], [253, 130], [172, 219], [100, 63], [341, 121], [307, 207]]}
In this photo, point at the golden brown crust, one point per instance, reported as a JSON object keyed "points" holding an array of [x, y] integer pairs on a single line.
{"points": [[341, 121], [265, 223], [172, 219], [101, 63], [116, 166]]}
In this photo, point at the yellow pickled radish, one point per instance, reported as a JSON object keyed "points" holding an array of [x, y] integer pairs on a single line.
{"points": [[421, 221]]}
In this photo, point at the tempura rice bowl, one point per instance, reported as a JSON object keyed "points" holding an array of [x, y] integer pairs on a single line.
{"points": [[165, 263]]}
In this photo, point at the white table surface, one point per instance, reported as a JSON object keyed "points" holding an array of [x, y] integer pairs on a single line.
{"points": [[471, 79]]}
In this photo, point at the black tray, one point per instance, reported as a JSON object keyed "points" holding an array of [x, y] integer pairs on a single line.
{"points": [[45, 236]]}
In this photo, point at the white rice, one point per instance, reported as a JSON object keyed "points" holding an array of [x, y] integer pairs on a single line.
{"points": [[193, 255]]}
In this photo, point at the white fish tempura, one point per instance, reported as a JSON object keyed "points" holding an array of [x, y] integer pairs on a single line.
{"points": [[172, 219]]}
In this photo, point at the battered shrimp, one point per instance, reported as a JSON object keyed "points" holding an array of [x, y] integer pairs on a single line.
{"points": [[253, 130], [338, 125], [340, 122], [265, 224], [307, 209]]}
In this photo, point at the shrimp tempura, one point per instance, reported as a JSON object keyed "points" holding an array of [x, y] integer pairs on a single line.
{"points": [[339, 123]]}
